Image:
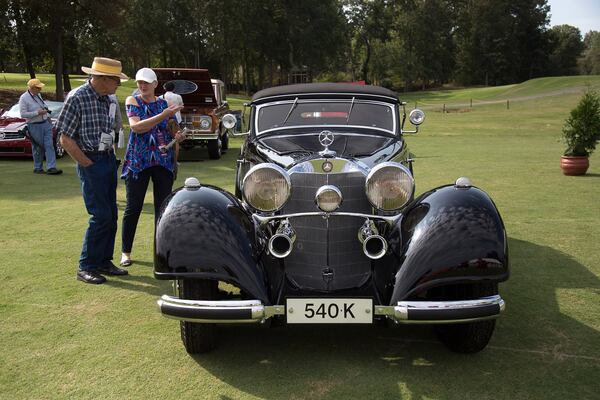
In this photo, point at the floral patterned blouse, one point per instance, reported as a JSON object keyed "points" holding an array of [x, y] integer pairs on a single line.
{"points": [[143, 148]]}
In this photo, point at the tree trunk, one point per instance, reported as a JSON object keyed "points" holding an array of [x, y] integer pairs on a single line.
{"points": [[261, 75], [58, 60], [365, 68], [21, 36], [66, 81], [246, 74]]}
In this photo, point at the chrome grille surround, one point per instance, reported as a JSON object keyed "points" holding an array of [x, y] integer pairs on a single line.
{"points": [[13, 135], [327, 243]]}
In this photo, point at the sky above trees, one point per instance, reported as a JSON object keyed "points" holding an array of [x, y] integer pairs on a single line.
{"points": [[582, 14]]}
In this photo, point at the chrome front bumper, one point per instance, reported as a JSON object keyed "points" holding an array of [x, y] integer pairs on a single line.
{"points": [[415, 312], [194, 134]]}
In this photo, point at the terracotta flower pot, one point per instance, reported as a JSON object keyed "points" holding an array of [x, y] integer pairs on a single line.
{"points": [[574, 165]]}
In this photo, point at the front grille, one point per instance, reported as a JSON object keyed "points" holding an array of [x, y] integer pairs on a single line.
{"points": [[13, 135], [327, 243], [192, 122]]}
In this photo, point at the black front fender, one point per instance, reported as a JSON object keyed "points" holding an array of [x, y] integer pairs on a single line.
{"points": [[450, 235], [206, 233]]}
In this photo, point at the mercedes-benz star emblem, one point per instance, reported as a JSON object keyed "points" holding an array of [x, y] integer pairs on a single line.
{"points": [[327, 166], [1, 135], [326, 138]]}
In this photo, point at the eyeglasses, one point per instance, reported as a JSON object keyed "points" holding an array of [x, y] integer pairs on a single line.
{"points": [[114, 79]]}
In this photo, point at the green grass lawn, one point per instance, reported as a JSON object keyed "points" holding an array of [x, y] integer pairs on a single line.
{"points": [[60, 338]]}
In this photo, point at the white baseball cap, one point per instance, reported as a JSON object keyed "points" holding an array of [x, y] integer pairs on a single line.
{"points": [[146, 75]]}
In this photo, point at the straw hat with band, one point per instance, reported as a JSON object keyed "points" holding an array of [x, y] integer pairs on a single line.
{"points": [[105, 67]]}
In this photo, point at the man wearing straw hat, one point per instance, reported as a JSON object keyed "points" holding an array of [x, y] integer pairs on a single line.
{"points": [[34, 109], [86, 126]]}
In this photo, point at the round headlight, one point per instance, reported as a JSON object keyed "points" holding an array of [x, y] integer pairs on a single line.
{"points": [[416, 117], [266, 187], [229, 121], [205, 123], [328, 198], [389, 186]]}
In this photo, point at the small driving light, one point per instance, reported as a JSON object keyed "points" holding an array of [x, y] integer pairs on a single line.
{"points": [[229, 121], [416, 116], [328, 198], [266, 187]]}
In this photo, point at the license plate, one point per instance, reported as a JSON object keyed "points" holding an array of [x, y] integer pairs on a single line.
{"points": [[329, 311]]}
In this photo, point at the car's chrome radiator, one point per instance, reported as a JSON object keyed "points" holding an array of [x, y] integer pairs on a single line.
{"points": [[327, 254], [14, 135]]}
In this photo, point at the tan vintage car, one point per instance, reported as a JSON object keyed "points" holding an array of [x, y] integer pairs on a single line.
{"points": [[205, 105]]}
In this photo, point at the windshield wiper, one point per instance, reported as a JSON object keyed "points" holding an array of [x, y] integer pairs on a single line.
{"points": [[350, 111], [290, 112]]}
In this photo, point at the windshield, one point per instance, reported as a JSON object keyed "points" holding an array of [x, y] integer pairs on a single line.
{"points": [[54, 106], [328, 112]]}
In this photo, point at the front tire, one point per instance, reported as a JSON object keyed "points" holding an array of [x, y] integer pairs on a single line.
{"points": [[470, 337], [225, 141], [198, 337], [215, 149]]}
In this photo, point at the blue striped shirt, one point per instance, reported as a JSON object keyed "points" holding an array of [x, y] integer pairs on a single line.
{"points": [[84, 117]]}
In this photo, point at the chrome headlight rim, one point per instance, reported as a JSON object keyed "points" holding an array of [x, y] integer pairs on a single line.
{"points": [[416, 117], [205, 123], [405, 170], [273, 167], [229, 121], [331, 189]]}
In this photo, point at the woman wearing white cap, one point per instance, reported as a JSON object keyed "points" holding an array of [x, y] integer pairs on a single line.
{"points": [[144, 159]]}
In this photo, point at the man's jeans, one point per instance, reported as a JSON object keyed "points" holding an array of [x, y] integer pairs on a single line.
{"points": [[42, 134], [99, 189]]}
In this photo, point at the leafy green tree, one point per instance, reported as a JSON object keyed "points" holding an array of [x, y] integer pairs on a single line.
{"points": [[501, 41], [30, 29], [7, 38], [368, 22], [589, 64], [566, 49], [424, 31]]}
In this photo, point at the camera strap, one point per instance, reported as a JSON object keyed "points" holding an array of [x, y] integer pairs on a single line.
{"points": [[37, 99]]}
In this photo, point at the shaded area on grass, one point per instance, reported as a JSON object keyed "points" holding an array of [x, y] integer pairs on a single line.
{"points": [[535, 341]]}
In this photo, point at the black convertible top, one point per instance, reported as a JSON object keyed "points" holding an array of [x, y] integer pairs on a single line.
{"points": [[316, 90]]}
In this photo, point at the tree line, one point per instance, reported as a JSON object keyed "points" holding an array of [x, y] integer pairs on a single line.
{"points": [[400, 44]]}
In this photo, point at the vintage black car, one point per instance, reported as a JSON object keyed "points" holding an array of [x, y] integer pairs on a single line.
{"points": [[324, 228]]}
